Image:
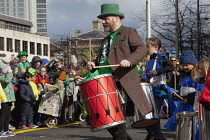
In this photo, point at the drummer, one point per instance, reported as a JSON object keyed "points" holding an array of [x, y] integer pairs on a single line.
{"points": [[157, 67], [123, 46]]}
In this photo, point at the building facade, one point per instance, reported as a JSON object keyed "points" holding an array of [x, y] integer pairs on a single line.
{"points": [[16, 36], [32, 10]]}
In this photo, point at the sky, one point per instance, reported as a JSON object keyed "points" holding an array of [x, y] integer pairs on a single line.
{"points": [[64, 17]]}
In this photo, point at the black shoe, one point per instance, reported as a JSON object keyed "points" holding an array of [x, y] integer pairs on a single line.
{"points": [[71, 120], [149, 136], [162, 138]]}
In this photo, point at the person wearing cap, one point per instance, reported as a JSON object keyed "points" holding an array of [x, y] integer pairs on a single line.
{"points": [[124, 47], [36, 63], [23, 64], [188, 87]]}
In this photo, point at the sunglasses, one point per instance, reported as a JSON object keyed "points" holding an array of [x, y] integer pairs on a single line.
{"points": [[173, 60]]}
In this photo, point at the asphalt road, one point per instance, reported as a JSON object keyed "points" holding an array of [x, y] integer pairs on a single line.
{"points": [[80, 131]]}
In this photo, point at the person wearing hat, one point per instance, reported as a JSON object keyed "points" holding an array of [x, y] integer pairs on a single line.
{"points": [[36, 63], [188, 87], [124, 47], [23, 64]]}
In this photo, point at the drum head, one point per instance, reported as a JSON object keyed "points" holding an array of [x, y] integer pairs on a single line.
{"points": [[145, 123]]}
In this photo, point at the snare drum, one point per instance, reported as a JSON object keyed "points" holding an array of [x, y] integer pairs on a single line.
{"points": [[187, 126], [102, 102]]}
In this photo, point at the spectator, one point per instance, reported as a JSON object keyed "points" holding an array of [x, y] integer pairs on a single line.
{"points": [[45, 62], [5, 112], [23, 64], [36, 63], [27, 99]]}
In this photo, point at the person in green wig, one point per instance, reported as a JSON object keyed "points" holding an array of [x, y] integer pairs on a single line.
{"points": [[124, 47], [23, 64]]}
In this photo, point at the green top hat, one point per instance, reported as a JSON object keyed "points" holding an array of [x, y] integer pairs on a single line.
{"points": [[110, 9], [22, 53]]}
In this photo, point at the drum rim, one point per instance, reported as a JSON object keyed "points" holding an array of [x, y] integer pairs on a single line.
{"points": [[96, 77], [146, 84], [110, 125]]}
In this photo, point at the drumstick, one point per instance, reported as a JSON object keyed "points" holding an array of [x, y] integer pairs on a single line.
{"points": [[90, 48], [116, 65], [177, 95]]}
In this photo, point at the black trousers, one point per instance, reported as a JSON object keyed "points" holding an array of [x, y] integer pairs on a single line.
{"points": [[156, 129], [27, 113], [119, 132], [5, 114]]}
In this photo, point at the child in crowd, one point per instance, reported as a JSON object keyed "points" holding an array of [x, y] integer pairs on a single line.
{"points": [[36, 116], [157, 67], [27, 99], [42, 78], [5, 111], [187, 90]]}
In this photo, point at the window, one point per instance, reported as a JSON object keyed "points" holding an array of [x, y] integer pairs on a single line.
{"points": [[20, 10], [41, 20], [2, 10], [9, 45], [41, 15], [17, 45], [41, 25], [39, 49], [41, 30], [32, 48], [41, 6], [21, 15], [1, 4], [1, 0], [1, 43], [21, 5], [25, 46], [41, 1], [41, 11], [20, 0], [45, 50]]}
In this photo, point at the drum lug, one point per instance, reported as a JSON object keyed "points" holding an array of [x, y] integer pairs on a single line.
{"points": [[107, 111], [97, 115], [117, 109]]}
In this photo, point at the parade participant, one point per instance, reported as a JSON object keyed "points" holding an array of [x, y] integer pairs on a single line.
{"points": [[123, 46], [23, 64], [187, 90], [157, 67], [5, 112]]}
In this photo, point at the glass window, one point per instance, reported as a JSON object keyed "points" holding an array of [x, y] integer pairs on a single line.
{"points": [[20, 10], [20, 4], [41, 15], [45, 50], [41, 30], [39, 49], [1, 4], [20, 0], [41, 1], [25, 46], [2, 10], [1, 43], [9, 45], [17, 45], [41, 20], [21, 15], [1, 0], [41, 6], [41, 11], [32, 48]]}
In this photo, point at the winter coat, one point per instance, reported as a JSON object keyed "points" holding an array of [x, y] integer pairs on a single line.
{"points": [[26, 93], [39, 78], [128, 45], [6, 82]]}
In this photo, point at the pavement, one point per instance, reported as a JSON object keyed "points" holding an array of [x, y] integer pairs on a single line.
{"points": [[80, 131]]}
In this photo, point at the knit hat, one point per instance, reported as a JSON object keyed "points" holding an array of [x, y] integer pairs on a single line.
{"points": [[73, 59], [110, 9], [4, 68], [44, 61], [188, 57], [5, 59]]}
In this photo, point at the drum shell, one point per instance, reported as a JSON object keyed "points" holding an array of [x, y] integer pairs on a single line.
{"points": [[151, 118], [102, 102], [186, 125], [204, 122]]}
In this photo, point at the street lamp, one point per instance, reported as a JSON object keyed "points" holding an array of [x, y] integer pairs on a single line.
{"points": [[148, 15]]}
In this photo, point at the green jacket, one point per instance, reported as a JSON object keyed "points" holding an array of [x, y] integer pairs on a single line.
{"points": [[6, 82]]}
